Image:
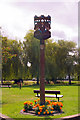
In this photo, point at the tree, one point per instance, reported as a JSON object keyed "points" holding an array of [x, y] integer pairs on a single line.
{"points": [[58, 62], [69, 59], [51, 66], [77, 66], [10, 58], [6, 58], [31, 53], [17, 62]]}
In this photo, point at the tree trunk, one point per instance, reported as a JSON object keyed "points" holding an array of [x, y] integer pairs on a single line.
{"points": [[78, 77], [37, 80], [54, 80], [69, 80], [1, 81]]}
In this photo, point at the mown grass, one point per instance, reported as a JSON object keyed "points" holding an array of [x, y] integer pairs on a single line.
{"points": [[13, 99]]}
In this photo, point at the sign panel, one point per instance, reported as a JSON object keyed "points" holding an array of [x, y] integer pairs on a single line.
{"points": [[38, 34], [42, 35], [42, 25]]}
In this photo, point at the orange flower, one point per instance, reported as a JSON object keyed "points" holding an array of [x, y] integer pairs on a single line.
{"points": [[40, 110], [52, 102], [61, 104], [47, 112], [24, 110], [31, 103], [40, 106], [44, 112], [38, 99], [37, 105], [51, 112], [60, 108], [38, 113], [49, 102], [34, 107], [52, 108], [25, 102], [49, 105], [55, 103], [43, 106], [34, 100]]}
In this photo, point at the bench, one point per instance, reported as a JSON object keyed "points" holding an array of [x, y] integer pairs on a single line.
{"points": [[5, 85], [56, 92]]}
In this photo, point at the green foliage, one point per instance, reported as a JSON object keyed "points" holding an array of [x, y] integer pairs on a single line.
{"points": [[58, 62], [31, 52], [11, 62]]}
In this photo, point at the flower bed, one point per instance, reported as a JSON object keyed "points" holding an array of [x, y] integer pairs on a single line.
{"points": [[46, 109]]}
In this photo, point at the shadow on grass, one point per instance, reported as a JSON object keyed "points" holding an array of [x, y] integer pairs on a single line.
{"points": [[35, 86]]}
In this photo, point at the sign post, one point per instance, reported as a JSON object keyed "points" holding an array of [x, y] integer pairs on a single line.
{"points": [[41, 27]]}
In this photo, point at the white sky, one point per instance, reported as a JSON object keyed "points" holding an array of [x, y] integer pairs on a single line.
{"points": [[17, 17]]}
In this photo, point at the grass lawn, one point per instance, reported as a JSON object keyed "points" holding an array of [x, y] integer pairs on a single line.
{"points": [[13, 99]]}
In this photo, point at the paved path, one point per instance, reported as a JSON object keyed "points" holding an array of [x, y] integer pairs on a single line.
{"points": [[4, 117], [71, 117]]}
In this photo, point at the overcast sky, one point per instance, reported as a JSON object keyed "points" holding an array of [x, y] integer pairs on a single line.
{"points": [[17, 17]]}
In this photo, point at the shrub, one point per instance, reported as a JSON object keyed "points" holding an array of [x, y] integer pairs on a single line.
{"points": [[27, 106], [46, 109]]}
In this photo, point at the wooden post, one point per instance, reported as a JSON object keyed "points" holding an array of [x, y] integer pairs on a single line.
{"points": [[42, 74], [41, 27]]}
